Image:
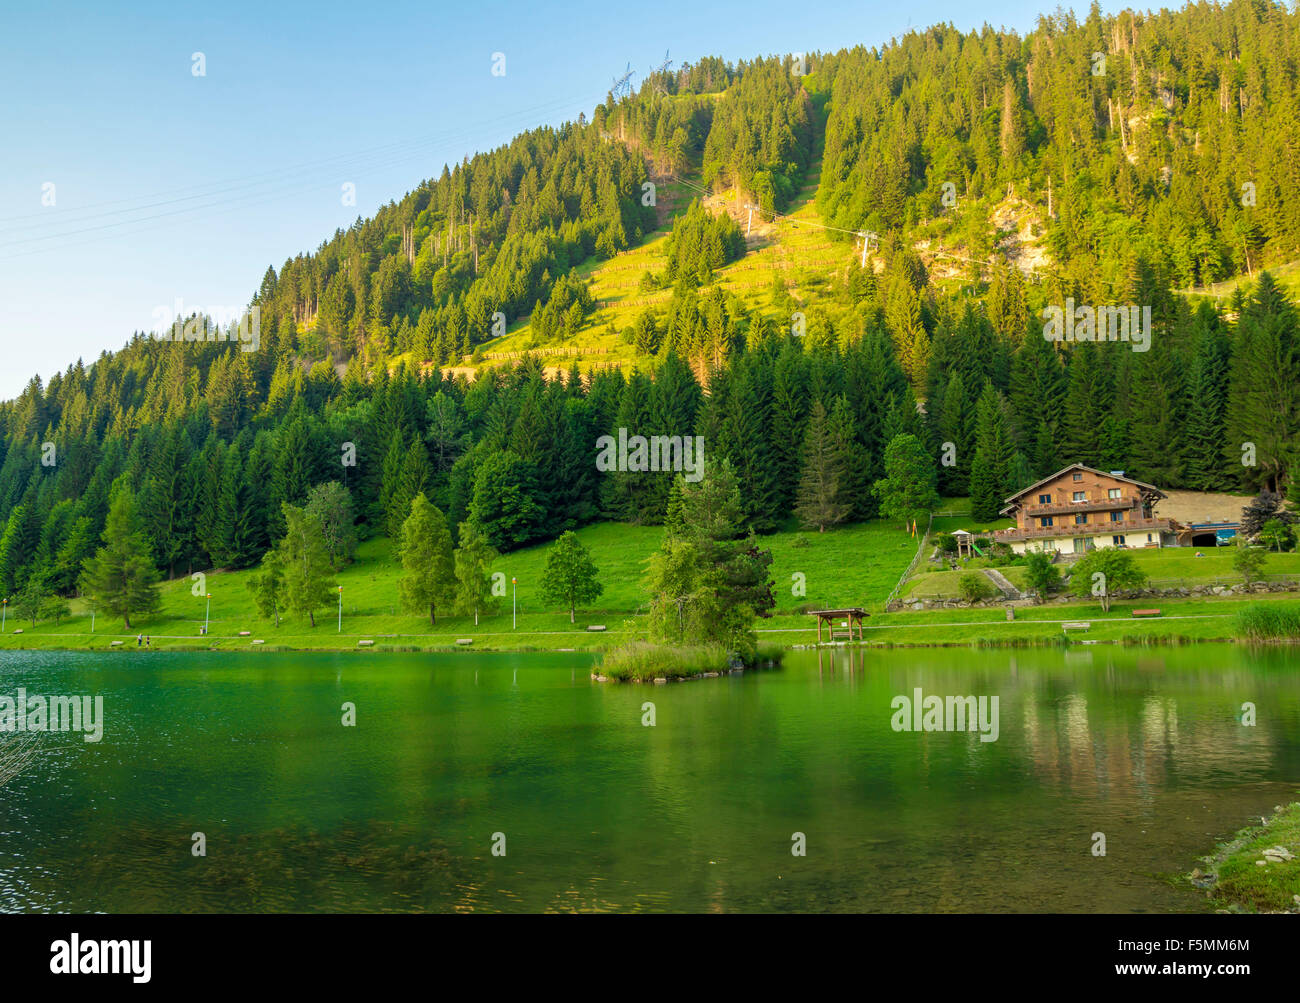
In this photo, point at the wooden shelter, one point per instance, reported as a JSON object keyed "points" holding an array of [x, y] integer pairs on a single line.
{"points": [[847, 619], [965, 543]]}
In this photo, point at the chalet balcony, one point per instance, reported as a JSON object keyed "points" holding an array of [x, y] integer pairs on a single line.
{"points": [[1092, 529], [1068, 507]]}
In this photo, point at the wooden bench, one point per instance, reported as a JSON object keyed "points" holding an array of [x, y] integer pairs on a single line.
{"points": [[245, 633], [464, 640], [365, 644], [1075, 625], [1146, 612], [115, 644], [258, 641], [597, 626]]}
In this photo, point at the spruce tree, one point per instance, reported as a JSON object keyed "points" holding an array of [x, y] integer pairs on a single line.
{"points": [[821, 498], [473, 558], [1205, 468], [428, 577], [121, 577], [991, 468], [955, 426]]}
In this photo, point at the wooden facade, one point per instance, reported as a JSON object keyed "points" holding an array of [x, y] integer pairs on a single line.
{"points": [[1081, 508]]}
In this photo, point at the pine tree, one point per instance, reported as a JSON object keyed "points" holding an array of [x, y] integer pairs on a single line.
{"points": [[821, 498], [744, 442], [1204, 434], [789, 417], [1079, 441], [956, 426], [1264, 387], [412, 479], [473, 558], [853, 459], [121, 577], [428, 569], [991, 468]]}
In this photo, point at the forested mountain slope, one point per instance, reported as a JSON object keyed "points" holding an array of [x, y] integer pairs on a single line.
{"points": [[1139, 176]]}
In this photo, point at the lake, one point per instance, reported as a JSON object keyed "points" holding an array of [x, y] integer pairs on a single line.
{"points": [[598, 811]]}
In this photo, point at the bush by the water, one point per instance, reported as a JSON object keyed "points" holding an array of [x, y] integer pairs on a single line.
{"points": [[1268, 622], [641, 662]]}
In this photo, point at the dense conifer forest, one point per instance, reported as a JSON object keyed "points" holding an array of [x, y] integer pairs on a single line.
{"points": [[1176, 165]]}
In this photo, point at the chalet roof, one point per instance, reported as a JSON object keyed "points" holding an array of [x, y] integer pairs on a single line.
{"points": [[1010, 501]]}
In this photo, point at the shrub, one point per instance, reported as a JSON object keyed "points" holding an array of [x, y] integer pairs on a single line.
{"points": [[1042, 575], [974, 586]]}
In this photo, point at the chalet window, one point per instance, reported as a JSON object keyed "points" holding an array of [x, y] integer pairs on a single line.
{"points": [[1079, 496], [1114, 493], [1078, 477], [1117, 517], [1045, 520], [1119, 540], [1149, 540], [1044, 499], [1049, 546], [1081, 520]]}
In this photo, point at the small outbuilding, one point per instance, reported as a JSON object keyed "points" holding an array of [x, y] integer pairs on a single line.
{"points": [[841, 622]]}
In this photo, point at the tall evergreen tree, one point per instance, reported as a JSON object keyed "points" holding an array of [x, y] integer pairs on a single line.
{"points": [[428, 577], [121, 577], [822, 499]]}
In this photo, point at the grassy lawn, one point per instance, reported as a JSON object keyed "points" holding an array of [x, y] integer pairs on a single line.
{"points": [[1250, 882], [853, 565], [1216, 564], [1182, 620], [1166, 568]]}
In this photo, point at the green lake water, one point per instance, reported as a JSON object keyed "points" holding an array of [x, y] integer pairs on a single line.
{"points": [[600, 812]]}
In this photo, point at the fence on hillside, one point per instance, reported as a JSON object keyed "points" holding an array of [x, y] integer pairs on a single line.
{"points": [[916, 559], [558, 350]]}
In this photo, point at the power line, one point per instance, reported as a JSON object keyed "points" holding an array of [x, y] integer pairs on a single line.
{"points": [[357, 159]]}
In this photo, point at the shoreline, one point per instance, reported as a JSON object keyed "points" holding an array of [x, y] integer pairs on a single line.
{"points": [[390, 646], [1257, 870], [1078, 625]]}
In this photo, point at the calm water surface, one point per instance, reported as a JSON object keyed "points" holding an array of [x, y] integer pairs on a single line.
{"points": [[602, 813]]}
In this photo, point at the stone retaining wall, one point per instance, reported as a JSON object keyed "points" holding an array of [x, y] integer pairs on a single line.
{"points": [[913, 605]]}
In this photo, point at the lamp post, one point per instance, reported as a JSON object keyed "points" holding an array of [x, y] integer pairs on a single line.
{"points": [[92, 614], [340, 609], [206, 613], [514, 604], [4, 616]]}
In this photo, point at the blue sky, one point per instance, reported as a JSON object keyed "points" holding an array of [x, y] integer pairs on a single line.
{"points": [[170, 186]]}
